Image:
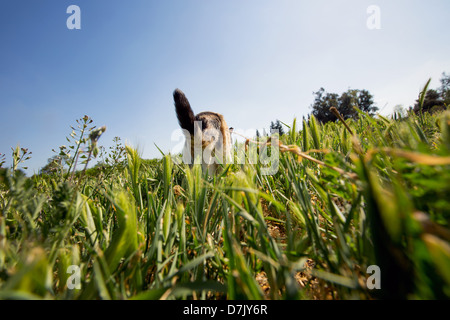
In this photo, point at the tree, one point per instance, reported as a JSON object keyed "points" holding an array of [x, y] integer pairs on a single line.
{"points": [[323, 101], [276, 126], [280, 128], [366, 103], [436, 99], [399, 111], [444, 90], [54, 164], [345, 104], [433, 100]]}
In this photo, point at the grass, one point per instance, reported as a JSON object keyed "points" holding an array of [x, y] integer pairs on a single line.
{"points": [[372, 192]]}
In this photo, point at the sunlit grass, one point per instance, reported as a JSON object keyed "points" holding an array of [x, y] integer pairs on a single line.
{"points": [[141, 229]]}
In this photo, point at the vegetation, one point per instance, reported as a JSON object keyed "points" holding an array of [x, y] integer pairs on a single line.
{"points": [[435, 99], [345, 197], [275, 127], [345, 104]]}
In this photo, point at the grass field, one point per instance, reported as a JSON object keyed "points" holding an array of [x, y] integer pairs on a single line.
{"points": [[375, 193]]}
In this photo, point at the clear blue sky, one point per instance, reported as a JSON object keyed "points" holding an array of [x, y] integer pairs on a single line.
{"points": [[254, 61]]}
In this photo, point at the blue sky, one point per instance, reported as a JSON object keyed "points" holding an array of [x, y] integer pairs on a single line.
{"points": [[254, 61]]}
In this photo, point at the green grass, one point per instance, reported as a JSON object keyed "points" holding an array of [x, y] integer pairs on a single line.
{"points": [[140, 229]]}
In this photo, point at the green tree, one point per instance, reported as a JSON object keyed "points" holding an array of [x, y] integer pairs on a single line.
{"points": [[277, 126], [323, 101], [366, 103], [345, 104], [54, 164], [444, 90], [433, 101]]}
